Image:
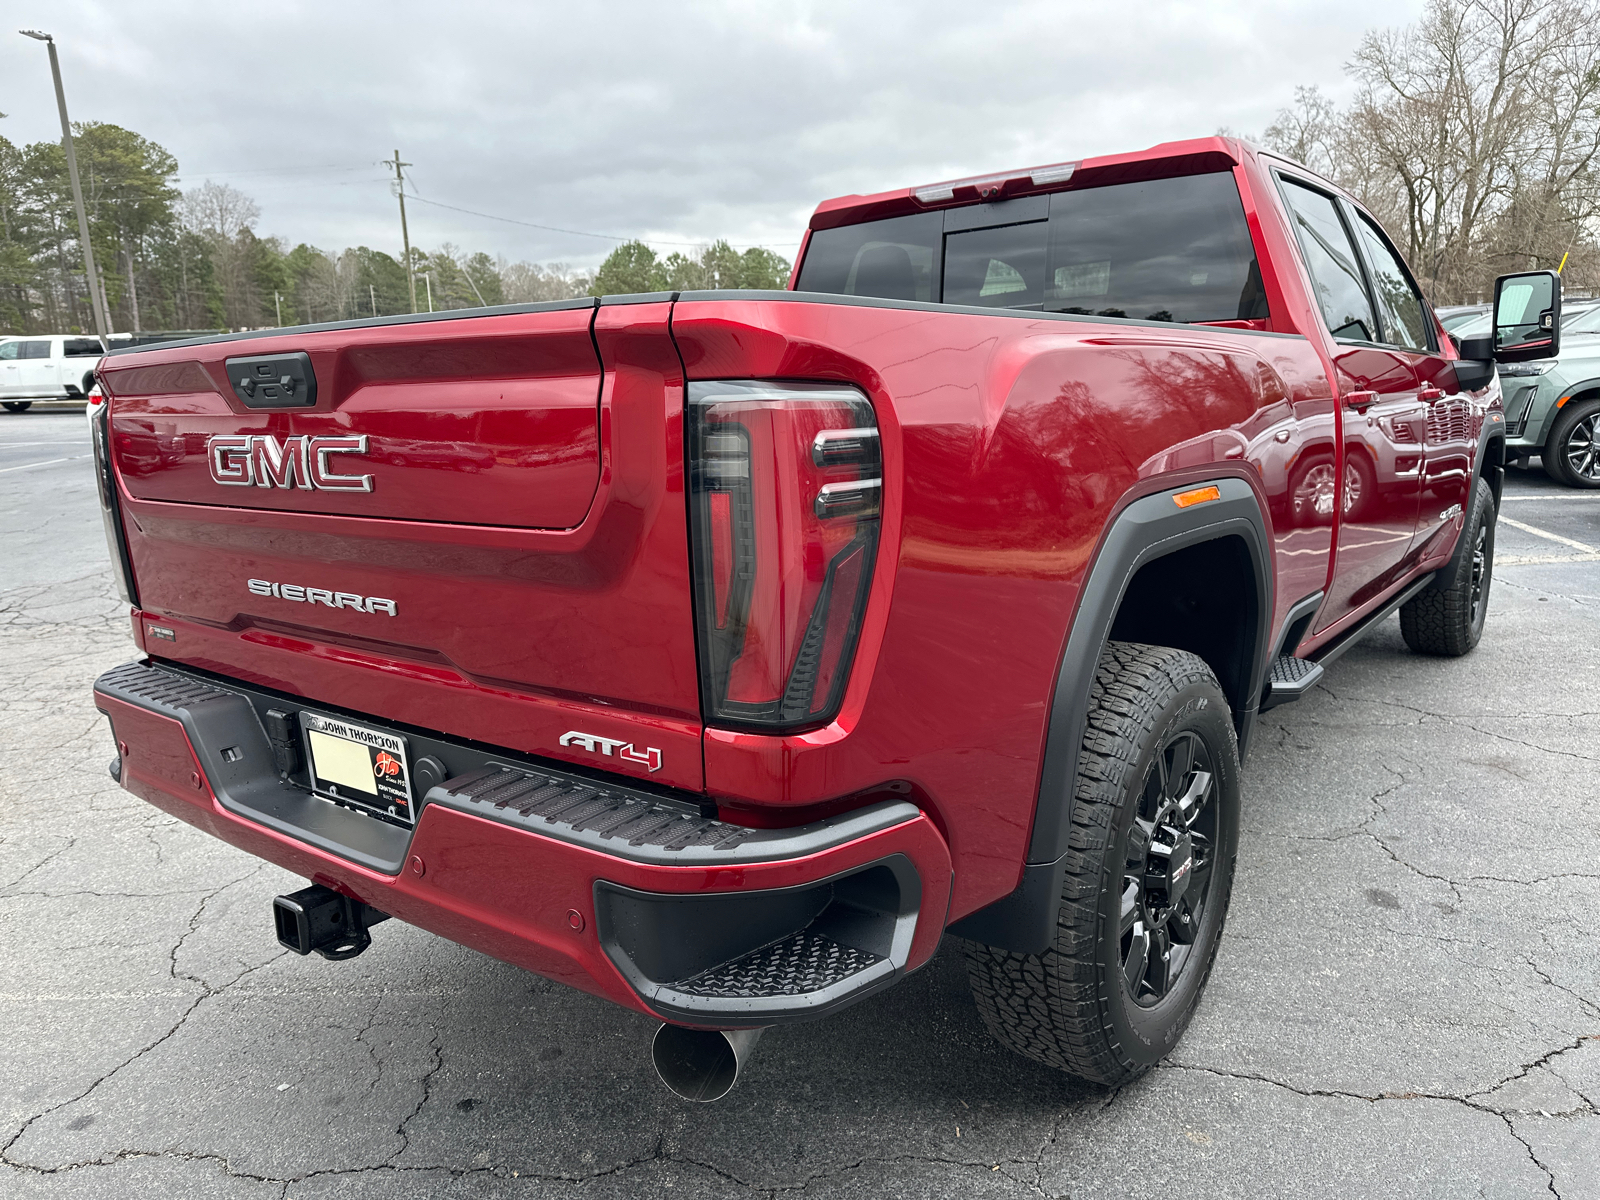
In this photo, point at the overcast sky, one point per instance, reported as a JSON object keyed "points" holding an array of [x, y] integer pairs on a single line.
{"points": [[674, 122]]}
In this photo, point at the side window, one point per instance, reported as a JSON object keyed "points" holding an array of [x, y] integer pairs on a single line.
{"points": [[35, 350], [1398, 302], [8, 351], [82, 347], [1341, 292]]}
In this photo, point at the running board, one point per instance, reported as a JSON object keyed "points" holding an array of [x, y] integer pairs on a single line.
{"points": [[1292, 678], [1289, 680]]}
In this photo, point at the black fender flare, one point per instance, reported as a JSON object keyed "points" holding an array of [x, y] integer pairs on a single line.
{"points": [[1150, 528]]}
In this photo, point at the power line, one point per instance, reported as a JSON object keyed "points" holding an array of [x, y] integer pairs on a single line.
{"points": [[278, 171], [187, 176], [578, 232]]}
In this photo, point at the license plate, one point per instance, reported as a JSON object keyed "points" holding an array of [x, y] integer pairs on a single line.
{"points": [[361, 767]]}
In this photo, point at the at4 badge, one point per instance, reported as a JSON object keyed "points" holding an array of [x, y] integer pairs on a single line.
{"points": [[357, 766], [647, 757]]}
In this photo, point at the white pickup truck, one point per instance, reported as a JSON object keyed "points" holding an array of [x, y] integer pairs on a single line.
{"points": [[46, 367]]}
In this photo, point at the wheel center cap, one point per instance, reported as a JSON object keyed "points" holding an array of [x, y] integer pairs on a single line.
{"points": [[1180, 867]]}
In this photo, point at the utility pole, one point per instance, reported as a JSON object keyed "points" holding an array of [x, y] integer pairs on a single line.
{"points": [[405, 235], [479, 294], [277, 303], [372, 294], [97, 297]]}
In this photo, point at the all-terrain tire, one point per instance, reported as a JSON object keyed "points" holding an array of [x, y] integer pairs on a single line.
{"points": [[1071, 1007], [1573, 436], [1446, 619]]}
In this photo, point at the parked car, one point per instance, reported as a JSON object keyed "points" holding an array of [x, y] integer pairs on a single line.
{"points": [[780, 633], [46, 367], [1453, 317], [1553, 405], [61, 366]]}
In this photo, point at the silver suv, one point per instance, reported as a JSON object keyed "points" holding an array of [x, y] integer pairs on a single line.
{"points": [[1553, 405]]}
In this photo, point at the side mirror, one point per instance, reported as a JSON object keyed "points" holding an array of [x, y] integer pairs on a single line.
{"points": [[1527, 316]]}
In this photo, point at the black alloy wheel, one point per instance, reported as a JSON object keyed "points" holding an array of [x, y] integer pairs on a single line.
{"points": [[1171, 849], [1478, 585]]}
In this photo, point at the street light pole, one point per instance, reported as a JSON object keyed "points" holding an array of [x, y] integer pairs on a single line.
{"points": [[97, 299]]}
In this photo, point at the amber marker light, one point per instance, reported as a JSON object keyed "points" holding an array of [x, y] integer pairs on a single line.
{"points": [[1197, 496], [1562, 401]]}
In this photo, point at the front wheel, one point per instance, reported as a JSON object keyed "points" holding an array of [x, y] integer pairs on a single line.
{"points": [[1446, 619], [1155, 830], [1572, 454], [17, 405]]}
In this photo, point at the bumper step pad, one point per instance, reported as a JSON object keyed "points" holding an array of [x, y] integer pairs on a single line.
{"points": [[639, 826], [804, 962], [581, 807]]}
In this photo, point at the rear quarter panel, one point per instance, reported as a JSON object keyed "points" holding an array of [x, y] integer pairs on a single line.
{"points": [[1010, 441]]}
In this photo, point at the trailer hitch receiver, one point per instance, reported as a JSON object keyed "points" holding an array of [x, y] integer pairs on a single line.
{"points": [[320, 919]]}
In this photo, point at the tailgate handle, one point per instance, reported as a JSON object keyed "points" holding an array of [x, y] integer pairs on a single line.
{"points": [[274, 380]]}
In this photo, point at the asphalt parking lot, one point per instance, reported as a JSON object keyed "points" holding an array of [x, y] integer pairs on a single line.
{"points": [[1406, 1003]]}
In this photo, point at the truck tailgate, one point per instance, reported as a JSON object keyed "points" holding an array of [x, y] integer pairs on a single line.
{"points": [[510, 563]]}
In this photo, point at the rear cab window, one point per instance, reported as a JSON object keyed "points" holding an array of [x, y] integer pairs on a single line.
{"points": [[1175, 249]]}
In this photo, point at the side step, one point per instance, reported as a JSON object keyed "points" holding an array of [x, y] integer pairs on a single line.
{"points": [[1290, 679]]}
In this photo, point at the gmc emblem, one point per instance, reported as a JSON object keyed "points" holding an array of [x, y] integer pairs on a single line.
{"points": [[649, 757], [260, 460]]}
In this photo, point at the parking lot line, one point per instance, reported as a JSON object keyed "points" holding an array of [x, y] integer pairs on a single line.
{"points": [[1540, 559], [1551, 496], [1554, 537], [46, 463]]}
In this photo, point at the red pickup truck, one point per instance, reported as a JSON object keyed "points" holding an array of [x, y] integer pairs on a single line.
{"points": [[718, 652]]}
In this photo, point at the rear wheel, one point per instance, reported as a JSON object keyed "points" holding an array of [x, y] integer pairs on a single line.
{"points": [[1572, 454], [1447, 618], [17, 405], [1155, 827]]}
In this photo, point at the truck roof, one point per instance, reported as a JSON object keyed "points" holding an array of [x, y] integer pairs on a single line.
{"points": [[1166, 159]]}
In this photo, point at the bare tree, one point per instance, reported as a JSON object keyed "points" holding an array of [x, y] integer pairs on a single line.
{"points": [[533, 283], [1475, 137], [225, 217], [1307, 131]]}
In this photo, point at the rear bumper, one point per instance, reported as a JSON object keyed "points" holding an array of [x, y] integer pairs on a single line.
{"points": [[624, 893]]}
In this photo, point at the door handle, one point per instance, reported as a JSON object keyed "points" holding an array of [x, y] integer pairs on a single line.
{"points": [[1360, 401], [1429, 395]]}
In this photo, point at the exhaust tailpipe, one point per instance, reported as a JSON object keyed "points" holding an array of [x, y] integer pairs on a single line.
{"points": [[702, 1064]]}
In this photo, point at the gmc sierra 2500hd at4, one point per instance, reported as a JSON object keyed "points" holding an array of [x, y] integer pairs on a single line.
{"points": [[718, 652]]}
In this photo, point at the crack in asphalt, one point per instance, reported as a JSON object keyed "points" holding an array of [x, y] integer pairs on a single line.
{"points": [[427, 1088], [1549, 1175], [206, 992]]}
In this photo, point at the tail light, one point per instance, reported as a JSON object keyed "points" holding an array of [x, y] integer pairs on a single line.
{"points": [[785, 484], [110, 509]]}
